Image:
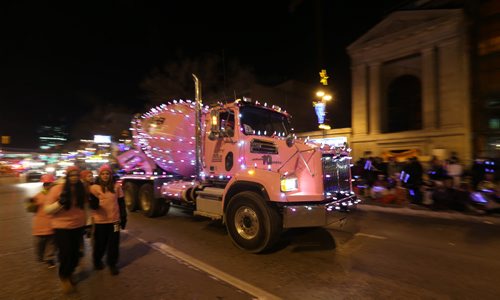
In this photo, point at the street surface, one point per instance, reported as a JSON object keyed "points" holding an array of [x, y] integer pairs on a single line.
{"points": [[375, 255]]}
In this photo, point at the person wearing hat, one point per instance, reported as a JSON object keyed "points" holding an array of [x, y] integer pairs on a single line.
{"points": [[109, 214], [66, 204], [42, 224]]}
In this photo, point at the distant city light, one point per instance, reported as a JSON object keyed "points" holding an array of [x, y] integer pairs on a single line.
{"points": [[102, 139]]}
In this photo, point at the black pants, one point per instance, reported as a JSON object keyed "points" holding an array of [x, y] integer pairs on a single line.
{"points": [[45, 247], [106, 240], [68, 244]]}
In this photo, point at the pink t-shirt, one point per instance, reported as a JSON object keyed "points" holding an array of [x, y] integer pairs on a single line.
{"points": [[42, 222], [65, 219], [108, 211]]}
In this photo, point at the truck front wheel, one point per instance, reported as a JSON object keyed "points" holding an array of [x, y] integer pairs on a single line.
{"points": [[151, 206], [131, 190], [252, 225]]}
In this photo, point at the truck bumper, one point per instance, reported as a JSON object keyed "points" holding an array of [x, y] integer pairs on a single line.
{"points": [[316, 215]]}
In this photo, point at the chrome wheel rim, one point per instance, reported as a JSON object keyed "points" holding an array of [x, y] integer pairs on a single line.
{"points": [[246, 222]]}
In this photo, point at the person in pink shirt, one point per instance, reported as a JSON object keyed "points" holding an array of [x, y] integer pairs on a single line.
{"points": [[66, 204], [109, 214], [42, 227]]}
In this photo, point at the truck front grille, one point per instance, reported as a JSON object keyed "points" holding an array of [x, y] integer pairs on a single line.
{"points": [[336, 175], [260, 146]]}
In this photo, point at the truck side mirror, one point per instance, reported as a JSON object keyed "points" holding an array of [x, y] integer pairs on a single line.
{"points": [[212, 136], [290, 140], [214, 125]]}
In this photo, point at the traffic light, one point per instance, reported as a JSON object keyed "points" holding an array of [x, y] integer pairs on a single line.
{"points": [[5, 139]]}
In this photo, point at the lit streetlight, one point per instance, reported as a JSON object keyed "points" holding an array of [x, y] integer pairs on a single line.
{"points": [[320, 108]]}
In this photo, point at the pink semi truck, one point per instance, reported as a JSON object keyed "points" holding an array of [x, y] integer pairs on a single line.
{"points": [[238, 163]]}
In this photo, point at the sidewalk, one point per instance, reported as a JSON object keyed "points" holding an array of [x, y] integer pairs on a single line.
{"points": [[367, 204]]}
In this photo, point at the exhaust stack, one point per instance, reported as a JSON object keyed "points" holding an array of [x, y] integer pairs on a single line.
{"points": [[198, 108]]}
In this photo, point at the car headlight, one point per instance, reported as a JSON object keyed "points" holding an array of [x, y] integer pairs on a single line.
{"points": [[289, 184]]}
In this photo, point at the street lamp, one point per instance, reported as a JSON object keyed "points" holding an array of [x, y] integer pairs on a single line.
{"points": [[320, 108], [323, 96]]}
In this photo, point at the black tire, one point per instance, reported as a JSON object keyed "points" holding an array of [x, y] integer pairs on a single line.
{"points": [[164, 208], [150, 206], [131, 190], [252, 225]]}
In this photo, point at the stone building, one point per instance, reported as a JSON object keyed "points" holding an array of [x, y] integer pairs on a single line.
{"points": [[427, 78], [411, 85]]}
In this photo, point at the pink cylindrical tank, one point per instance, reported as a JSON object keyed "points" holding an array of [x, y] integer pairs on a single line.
{"points": [[166, 134]]}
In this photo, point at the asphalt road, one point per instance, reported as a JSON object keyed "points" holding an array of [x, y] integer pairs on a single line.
{"points": [[375, 255]]}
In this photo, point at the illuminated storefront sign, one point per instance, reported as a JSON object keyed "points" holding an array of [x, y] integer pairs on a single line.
{"points": [[102, 139]]}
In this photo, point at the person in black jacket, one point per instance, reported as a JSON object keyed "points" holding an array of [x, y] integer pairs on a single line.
{"points": [[412, 179]]}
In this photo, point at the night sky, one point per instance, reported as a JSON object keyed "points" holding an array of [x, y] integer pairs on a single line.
{"points": [[58, 59]]}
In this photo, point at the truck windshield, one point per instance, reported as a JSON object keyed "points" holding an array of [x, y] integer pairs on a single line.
{"points": [[261, 121]]}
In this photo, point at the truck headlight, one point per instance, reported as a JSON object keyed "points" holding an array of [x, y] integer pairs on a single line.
{"points": [[289, 184]]}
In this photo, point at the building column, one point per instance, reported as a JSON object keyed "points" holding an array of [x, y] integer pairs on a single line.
{"points": [[359, 100], [430, 107], [374, 98]]}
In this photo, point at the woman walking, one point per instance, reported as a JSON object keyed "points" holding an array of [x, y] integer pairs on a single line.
{"points": [[66, 204], [42, 224], [106, 198]]}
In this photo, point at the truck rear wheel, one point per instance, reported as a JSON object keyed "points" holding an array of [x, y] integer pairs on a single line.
{"points": [[252, 225], [131, 190], [164, 208], [151, 207]]}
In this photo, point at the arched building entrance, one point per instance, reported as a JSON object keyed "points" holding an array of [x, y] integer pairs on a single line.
{"points": [[404, 104]]}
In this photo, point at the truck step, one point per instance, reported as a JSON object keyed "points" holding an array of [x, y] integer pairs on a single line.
{"points": [[207, 214]]}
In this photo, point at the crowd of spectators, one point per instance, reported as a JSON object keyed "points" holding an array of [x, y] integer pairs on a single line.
{"points": [[438, 184]]}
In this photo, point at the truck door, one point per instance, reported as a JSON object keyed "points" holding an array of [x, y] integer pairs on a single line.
{"points": [[222, 147]]}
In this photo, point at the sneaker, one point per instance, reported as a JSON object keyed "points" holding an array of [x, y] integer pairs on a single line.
{"points": [[113, 270], [98, 266]]}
